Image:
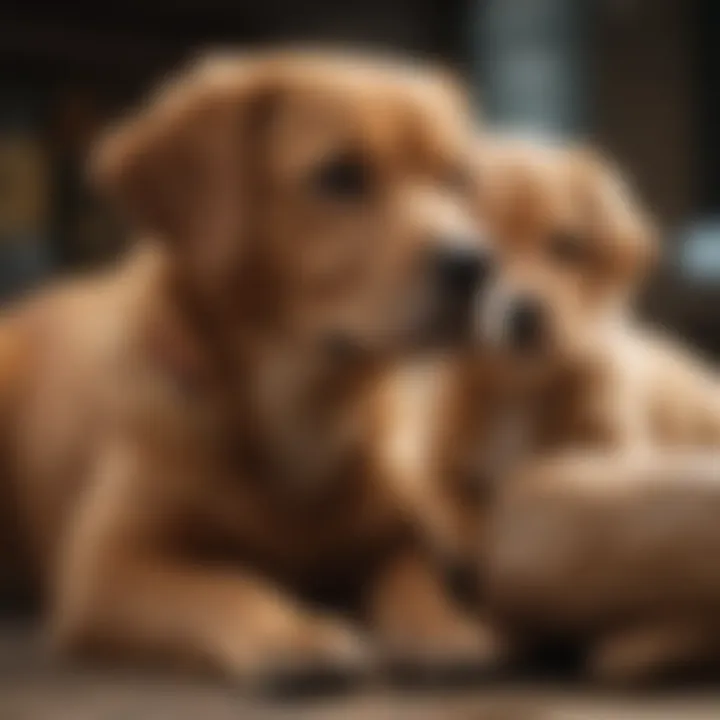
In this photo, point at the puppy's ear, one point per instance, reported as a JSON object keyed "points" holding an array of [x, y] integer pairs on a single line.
{"points": [[512, 181], [181, 170], [640, 246], [630, 244]]}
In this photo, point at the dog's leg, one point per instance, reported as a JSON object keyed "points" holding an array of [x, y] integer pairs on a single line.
{"points": [[122, 587], [650, 651], [423, 632], [231, 621]]}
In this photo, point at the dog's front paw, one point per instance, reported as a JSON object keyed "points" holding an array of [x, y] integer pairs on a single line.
{"points": [[460, 651], [317, 656]]}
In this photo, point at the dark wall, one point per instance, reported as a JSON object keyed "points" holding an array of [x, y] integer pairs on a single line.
{"points": [[656, 101]]}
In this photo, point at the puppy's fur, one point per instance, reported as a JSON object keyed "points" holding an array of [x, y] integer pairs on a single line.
{"points": [[190, 439], [626, 523], [575, 244]]}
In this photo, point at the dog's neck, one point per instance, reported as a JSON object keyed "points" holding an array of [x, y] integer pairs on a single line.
{"points": [[298, 411], [311, 411]]}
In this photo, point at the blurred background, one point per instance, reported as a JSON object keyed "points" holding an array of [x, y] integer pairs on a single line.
{"points": [[639, 77]]}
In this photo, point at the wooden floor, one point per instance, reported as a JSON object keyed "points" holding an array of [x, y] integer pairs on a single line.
{"points": [[34, 687]]}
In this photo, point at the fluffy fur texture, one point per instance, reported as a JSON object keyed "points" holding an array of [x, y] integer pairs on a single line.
{"points": [[191, 439], [576, 246], [615, 551], [571, 244], [611, 546]]}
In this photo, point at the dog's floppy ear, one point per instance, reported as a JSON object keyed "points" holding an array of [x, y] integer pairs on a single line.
{"points": [[180, 168], [628, 233]]}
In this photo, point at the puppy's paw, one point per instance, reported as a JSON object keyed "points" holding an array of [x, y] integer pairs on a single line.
{"points": [[645, 655], [461, 651]]}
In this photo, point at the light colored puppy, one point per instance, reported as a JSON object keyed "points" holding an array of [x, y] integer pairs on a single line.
{"points": [[551, 367], [615, 546], [562, 364]]}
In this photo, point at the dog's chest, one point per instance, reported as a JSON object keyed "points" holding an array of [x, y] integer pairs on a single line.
{"points": [[298, 498], [299, 529], [307, 427]]}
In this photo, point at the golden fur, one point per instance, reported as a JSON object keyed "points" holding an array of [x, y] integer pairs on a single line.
{"points": [[577, 243], [191, 438], [616, 551], [610, 546]]}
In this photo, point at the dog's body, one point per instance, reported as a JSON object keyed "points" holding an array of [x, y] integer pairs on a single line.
{"points": [[641, 389], [191, 440], [72, 357], [615, 552]]}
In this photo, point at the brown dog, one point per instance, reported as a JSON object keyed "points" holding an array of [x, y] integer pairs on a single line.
{"points": [[191, 438]]}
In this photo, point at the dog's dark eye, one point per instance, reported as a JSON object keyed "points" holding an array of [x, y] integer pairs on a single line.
{"points": [[343, 177], [568, 249]]}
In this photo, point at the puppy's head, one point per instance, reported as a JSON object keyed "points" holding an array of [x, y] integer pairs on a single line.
{"points": [[574, 246], [321, 197]]}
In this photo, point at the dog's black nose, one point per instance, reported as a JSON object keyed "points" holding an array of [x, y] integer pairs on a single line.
{"points": [[461, 268], [526, 324]]}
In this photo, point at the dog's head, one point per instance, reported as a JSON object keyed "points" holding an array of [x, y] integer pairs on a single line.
{"points": [[574, 245], [322, 197]]}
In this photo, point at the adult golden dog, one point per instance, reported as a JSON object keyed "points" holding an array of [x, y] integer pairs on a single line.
{"points": [[191, 438]]}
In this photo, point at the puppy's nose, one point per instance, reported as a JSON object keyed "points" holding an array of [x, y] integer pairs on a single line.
{"points": [[461, 268], [526, 324]]}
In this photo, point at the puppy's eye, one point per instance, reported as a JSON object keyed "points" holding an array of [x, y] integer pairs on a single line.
{"points": [[567, 248], [342, 177]]}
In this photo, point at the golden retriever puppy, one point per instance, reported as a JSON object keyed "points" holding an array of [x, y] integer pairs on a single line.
{"points": [[191, 438], [576, 245], [619, 551], [561, 362], [550, 367], [613, 547]]}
